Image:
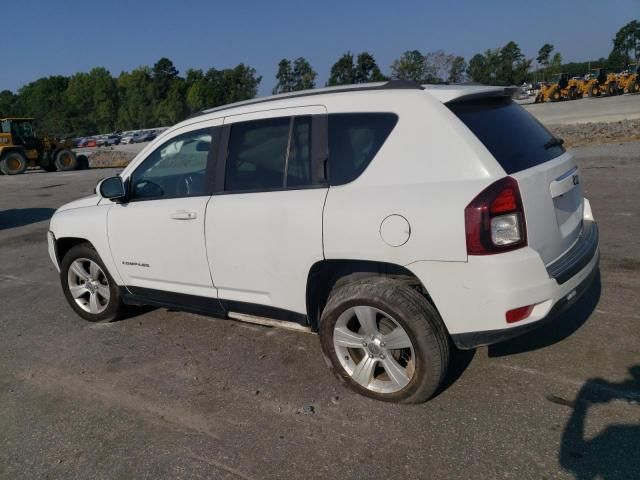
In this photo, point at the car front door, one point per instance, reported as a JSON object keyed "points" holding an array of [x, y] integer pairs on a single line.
{"points": [[157, 236], [264, 223]]}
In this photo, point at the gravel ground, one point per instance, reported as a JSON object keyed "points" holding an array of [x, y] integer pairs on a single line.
{"points": [[598, 133], [166, 394]]}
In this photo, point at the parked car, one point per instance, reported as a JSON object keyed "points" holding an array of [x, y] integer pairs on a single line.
{"points": [[131, 138], [111, 140], [87, 142], [392, 219], [148, 136]]}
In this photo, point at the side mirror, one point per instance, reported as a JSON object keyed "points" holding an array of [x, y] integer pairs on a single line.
{"points": [[112, 188]]}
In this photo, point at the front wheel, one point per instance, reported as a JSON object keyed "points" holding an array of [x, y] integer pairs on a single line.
{"points": [[13, 163], [385, 340], [88, 287]]}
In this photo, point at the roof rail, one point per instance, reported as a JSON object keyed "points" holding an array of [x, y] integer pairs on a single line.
{"points": [[388, 85]]}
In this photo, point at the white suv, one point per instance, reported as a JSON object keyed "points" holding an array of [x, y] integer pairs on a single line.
{"points": [[390, 218]]}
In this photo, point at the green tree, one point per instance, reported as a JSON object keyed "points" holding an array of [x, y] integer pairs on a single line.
{"points": [[303, 75], [364, 69], [284, 77], [626, 46], [45, 99], [410, 66], [293, 77], [457, 70], [136, 99], [172, 108], [367, 70], [163, 74], [477, 69], [342, 72], [195, 85], [7, 103], [544, 55], [556, 63]]}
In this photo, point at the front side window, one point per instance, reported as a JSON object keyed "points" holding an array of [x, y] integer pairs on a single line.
{"points": [[175, 169], [269, 154], [354, 140]]}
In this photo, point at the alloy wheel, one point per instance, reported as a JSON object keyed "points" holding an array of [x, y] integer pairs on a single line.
{"points": [[374, 349], [88, 285]]}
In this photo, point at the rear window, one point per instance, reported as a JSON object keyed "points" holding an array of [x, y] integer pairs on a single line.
{"points": [[513, 136], [354, 139]]}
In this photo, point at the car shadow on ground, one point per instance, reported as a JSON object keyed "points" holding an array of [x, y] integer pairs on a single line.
{"points": [[556, 330], [19, 217], [613, 453]]}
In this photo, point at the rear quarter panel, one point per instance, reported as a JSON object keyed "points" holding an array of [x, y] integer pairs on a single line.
{"points": [[428, 170]]}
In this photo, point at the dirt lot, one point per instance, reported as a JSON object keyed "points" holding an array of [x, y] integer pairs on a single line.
{"points": [[172, 395]]}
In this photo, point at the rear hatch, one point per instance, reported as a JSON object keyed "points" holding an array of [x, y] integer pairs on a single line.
{"points": [[547, 175]]}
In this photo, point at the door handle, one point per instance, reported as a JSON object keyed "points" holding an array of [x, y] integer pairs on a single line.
{"points": [[184, 215]]}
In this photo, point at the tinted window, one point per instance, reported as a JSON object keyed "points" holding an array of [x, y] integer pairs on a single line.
{"points": [[299, 164], [175, 169], [513, 136], [257, 154], [354, 139]]}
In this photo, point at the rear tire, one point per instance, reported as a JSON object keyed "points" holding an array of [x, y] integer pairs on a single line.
{"points": [[359, 326], [88, 287], [634, 87], [612, 89], [13, 163], [65, 160]]}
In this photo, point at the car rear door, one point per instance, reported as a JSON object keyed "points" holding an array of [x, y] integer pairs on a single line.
{"points": [[264, 223]]}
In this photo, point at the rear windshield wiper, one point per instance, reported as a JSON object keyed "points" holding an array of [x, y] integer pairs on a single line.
{"points": [[553, 142]]}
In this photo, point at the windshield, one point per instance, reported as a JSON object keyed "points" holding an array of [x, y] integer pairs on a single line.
{"points": [[19, 128]]}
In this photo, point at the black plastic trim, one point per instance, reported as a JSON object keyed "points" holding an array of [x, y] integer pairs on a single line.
{"points": [[470, 340], [319, 148], [389, 85], [206, 305], [179, 301], [578, 256]]}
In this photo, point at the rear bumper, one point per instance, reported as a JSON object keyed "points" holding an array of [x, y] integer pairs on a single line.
{"points": [[466, 341], [473, 297]]}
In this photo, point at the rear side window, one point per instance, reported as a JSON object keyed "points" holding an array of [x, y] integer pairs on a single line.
{"points": [[354, 139], [261, 151], [257, 155], [513, 136]]}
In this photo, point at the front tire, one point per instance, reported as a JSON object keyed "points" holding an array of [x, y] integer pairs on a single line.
{"points": [[13, 163], [385, 340], [88, 286]]}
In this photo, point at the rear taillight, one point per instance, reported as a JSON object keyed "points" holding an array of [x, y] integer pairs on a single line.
{"points": [[494, 220]]}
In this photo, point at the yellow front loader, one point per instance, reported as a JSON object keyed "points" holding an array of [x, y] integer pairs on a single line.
{"points": [[21, 148], [561, 87]]}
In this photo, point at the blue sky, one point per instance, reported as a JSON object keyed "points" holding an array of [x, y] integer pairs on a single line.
{"points": [[46, 37]]}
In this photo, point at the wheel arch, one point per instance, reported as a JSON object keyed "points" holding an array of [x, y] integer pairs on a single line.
{"points": [[325, 275], [64, 244]]}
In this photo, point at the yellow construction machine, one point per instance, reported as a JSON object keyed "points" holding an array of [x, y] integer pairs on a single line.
{"points": [[21, 148], [561, 87], [629, 80]]}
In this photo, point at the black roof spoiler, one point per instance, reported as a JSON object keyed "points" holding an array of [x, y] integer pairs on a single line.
{"points": [[498, 92]]}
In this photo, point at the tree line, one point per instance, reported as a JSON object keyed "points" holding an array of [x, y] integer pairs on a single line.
{"points": [[96, 102]]}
